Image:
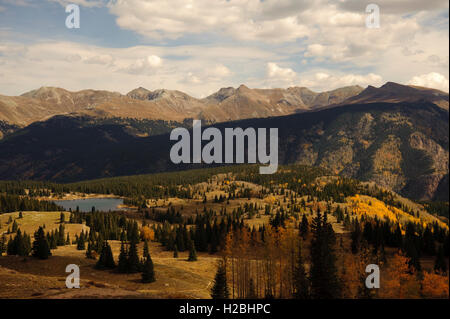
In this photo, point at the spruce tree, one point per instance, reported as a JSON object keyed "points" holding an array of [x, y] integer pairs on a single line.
{"points": [[192, 252], [123, 259], [80, 242], [220, 287], [134, 264], [304, 227], [15, 227], [323, 272], [41, 248], [148, 273], [301, 282], [90, 252], [106, 260], [146, 251]]}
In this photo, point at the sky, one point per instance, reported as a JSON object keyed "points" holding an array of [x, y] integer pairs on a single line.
{"points": [[200, 46]]}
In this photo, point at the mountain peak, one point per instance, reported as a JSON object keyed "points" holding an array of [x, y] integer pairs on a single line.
{"points": [[243, 87], [395, 92]]}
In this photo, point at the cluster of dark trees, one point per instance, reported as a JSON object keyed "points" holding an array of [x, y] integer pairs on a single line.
{"points": [[437, 208], [205, 233], [321, 282], [129, 261], [13, 203], [21, 245], [417, 241]]}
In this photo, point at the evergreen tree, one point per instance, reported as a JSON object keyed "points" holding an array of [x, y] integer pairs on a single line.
{"points": [[106, 260], [148, 273], [192, 252], [220, 287], [123, 259], [60, 241], [146, 251], [41, 249], [304, 227], [323, 272], [89, 251], [175, 252], [15, 227], [301, 283], [133, 263], [80, 242]]}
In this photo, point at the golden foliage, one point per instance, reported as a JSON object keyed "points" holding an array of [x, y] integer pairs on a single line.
{"points": [[147, 233], [372, 207], [399, 281], [434, 285]]}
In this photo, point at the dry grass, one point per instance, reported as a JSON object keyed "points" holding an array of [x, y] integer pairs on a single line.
{"points": [[32, 220]]}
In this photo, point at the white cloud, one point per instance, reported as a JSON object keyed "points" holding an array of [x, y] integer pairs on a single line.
{"points": [[245, 20], [84, 3], [145, 65], [192, 69], [432, 80], [96, 59], [320, 44], [323, 81], [277, 74]]}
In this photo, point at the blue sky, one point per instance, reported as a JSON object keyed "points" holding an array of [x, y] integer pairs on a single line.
{"points": [[199, 46]]}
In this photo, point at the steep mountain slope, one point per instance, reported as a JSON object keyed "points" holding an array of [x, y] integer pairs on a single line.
{"points": [[394, 92], [241, 103], [401, 146]]}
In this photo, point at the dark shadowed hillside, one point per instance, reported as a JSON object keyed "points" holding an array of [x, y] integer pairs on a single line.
{"points": [[401, 146]]}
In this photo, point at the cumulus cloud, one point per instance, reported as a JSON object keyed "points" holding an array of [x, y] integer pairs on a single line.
{"points": [[76, 66], [324, 81], [279, 76], [245, 20], [144, 65], [431, 80], [320, 44]]}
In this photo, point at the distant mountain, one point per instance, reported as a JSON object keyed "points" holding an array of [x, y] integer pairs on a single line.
{"points": [[227, 104], [242, 103], [394, 92], [402, 146]]}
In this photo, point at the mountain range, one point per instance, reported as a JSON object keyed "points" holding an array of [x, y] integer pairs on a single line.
{"points": [[225, 105], [395, 135]]}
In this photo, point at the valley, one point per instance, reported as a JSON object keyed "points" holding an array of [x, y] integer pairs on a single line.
{"points": [[253, 205]]}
